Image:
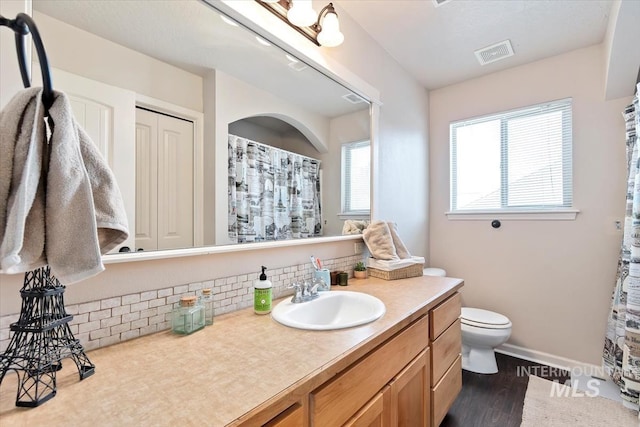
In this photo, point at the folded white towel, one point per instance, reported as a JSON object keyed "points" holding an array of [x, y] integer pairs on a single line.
{"points": [[84, 215]]}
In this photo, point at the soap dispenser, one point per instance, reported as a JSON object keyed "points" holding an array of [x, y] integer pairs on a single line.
{"points": [[262, 294]]}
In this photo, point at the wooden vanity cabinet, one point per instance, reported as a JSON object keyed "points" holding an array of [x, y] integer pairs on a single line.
{"points": [[336, 402], [409, 380], [445, 338]]}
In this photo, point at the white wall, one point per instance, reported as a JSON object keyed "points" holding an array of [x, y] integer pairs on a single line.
{"points": [[102, 60], [553, 279]]}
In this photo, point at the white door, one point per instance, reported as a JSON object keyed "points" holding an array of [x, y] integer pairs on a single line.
{"points": [[107, 114], [164, 181]]}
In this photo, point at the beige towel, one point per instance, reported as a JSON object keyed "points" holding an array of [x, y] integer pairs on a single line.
{"points": [[84, 214], [401, 249], [378, 238], [352, 226], [21, 182]]}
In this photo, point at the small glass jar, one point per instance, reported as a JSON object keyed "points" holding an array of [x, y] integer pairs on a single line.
{"points": [[188, 317], [207, 302]]}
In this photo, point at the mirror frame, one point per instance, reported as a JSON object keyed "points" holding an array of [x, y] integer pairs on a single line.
{"points": [[255, 18]]}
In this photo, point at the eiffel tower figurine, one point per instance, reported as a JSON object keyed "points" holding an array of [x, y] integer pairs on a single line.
{"points": [[41, 339]]}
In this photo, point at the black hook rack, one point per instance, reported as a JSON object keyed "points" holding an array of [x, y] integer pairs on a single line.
{"points": [[22, 26]]}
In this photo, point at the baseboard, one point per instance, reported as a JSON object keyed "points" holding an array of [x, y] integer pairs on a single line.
{"points": [[574, 366]]}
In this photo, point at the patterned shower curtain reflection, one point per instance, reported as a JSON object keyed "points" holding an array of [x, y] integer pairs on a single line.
{"points": [[273, 194], [621, 353]]}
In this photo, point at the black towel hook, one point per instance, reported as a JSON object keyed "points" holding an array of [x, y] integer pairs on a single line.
{"points": [[22, 25]]}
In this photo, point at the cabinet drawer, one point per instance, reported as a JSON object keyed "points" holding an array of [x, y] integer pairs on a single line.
{"points": [[335, 402], [445, 392], [444, 351], [444, 315]]}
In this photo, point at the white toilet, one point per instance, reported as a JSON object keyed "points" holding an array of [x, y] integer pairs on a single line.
{"points": [[482, 332]]}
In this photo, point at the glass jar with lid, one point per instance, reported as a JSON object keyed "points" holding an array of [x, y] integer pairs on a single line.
{"points": [[207, 302], [188, 317]]}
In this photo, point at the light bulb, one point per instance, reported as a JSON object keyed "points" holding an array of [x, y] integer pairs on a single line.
{"points": [[301, 13], [330, 34]]}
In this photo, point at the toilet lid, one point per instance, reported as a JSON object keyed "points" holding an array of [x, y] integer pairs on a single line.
{"points": [[484, 318], [432, 271]]}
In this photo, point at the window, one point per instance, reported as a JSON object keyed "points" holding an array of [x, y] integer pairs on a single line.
{"points": [[517, 161], [356, 178]]}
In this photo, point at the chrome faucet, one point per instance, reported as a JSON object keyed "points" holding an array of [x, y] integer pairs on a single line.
{"points": [[304, 292]]}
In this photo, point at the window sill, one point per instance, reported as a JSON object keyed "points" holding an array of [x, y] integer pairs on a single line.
{"points": [[528, 215], [355, 215]]}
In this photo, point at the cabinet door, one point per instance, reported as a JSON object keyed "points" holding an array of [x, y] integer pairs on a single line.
{"points": [[372, 415], [291, 417], [410, 394]]}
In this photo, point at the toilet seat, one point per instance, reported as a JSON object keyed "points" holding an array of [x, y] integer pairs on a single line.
{"points": [[484, 319]]}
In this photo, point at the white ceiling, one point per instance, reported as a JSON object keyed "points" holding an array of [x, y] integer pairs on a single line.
{"points": [[436, 44]]}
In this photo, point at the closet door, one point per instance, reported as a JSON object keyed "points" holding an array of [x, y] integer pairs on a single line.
{"points": [[146, 180], [164, 181], [175, 183]]}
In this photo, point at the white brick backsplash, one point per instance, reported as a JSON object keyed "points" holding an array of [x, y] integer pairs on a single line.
{"points": [[122, 327], [130, 316], [110, 321], [134, 333], [157, 302], [165, 292], [148, 312], [130, 299], [100, 314], [88, 327], [89, 307], [146, 296], [140, 306], [100, 333], [120, 318], [123, 309], [139, 323], [110, 302], [183, 289]]}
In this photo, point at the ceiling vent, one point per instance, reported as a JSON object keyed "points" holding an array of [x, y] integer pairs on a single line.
{"points": [[353, 98], [440, 2], [297, 65], [494, 52]]}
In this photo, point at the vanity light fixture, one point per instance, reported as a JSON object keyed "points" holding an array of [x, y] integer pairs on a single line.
{"points": [[299, 14]]}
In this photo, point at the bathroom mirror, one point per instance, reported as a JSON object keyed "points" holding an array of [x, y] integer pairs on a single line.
{"points": [[131, 66]]}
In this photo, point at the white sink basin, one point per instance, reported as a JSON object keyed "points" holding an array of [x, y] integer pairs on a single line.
{"points": [[331, 310]]}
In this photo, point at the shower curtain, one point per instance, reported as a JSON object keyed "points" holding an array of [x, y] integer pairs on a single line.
{"points": [[621, 353], [273, 194]]}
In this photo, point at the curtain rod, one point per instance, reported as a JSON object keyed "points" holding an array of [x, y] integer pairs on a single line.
{"points": [[277, 148]]}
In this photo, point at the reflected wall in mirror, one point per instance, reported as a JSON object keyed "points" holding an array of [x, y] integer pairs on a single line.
{"points": [[161, 85]]}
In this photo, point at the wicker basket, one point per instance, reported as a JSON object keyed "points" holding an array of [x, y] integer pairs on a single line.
{"points": [[414, 270]]}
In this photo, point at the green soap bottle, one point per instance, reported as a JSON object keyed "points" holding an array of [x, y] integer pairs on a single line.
{"points": [[262, 294]]}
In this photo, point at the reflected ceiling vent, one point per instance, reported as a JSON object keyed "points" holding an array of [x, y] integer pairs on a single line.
{"points": [[494, 53], [295, 63], [440, 2], [353, 98], [298, 66]]}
